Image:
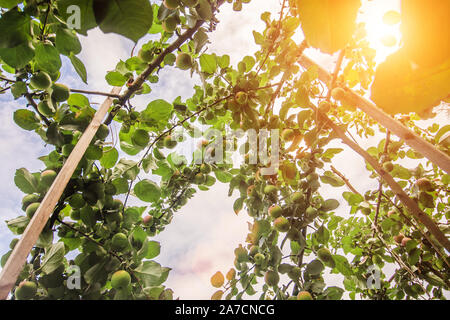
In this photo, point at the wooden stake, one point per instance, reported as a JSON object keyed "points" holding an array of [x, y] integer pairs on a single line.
{"points": [[425, 148], [18, 257]]}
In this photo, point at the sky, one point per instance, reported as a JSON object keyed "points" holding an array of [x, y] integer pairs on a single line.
{"points": [[203, 235]]}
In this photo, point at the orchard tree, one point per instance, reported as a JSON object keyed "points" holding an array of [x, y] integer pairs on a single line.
{"points": [[92, 244]]}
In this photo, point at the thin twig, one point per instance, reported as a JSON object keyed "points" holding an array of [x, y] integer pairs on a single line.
{"points": [[380, 185], [272, 46], [5, 89], [346, 181], [336, 73], [98, 93], [7, 80]]}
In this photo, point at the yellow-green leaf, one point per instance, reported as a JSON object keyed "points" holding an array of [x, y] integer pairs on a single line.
{"points": [[328, 24], [217, 280]]}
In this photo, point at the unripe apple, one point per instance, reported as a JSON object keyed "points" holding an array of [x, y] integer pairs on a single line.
{"points": [[140, 138], [184, 61], [405, 241], [304, 295], [148, 220], [259, 258], [26, 290], [275, 211], [31, 209], [338, 94], [388, 166], [324, 106], [204, 10], [398, 238], [241, 97], [171, 4], [190, 3], [281, 224], [146, 55], [424, 184], [120, 280], [287, 134], [41, 81], [60, 92], [170, 24], [119, 242], [270, 189]]}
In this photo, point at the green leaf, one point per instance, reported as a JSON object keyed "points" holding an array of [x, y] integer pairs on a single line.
{"points": [[47, 57], [223, 176], [315, 267], [15, 28], [156, 27], [147, 191], [95, 274], [67, 42], [441, 133], [26, 119], [115, 79], [154, 248], [8, 4], [208, 63], [224, 61], [238, 205], [79, 100], [18, 224], [401, 172], [18, 89], [121, 185], [353, 199], [109, 158], [157, 110], [332, 179], [151, 273], [328, 24], [249, 63], [79, 67], [342, 265], [330, 204], [331, 152], [130, 18], [25, 181], [53, 258], [333, 293], [259, 38], [45, 239], [17, 57], [322, 235], [200, 39]]}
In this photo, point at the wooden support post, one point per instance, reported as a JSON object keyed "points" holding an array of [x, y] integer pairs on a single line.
{"points": [[18, 257], [425, 148]]}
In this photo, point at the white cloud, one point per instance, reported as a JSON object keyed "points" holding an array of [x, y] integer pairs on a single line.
{"points": [[20, 148]]}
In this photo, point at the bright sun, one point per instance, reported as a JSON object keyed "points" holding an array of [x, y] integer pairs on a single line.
{"points": [[382, 26]]}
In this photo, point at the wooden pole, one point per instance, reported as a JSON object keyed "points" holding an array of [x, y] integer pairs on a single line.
{"points": [[425, 148], [18, 257]]}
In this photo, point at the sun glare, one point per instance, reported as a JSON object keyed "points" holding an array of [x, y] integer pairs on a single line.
{"points": [[382, 25]]}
